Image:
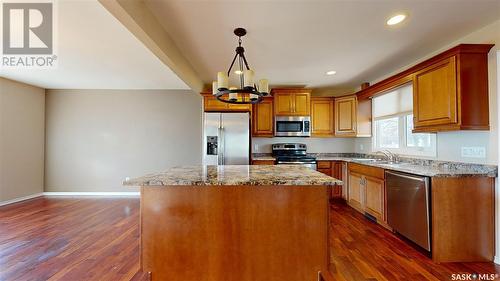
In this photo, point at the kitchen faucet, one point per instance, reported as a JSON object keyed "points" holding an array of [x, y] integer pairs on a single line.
{"points": [[391, 157]]}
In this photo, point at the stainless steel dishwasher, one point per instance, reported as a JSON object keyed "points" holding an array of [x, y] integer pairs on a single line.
{"points": [[408, 206]]}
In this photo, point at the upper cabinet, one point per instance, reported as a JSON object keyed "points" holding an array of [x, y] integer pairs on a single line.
{"points": [[345, 116], [452, 93], [322, 117], [212, 104], [262, 118], [435, 95], [292, 102], [450, 90], [352, 117]]}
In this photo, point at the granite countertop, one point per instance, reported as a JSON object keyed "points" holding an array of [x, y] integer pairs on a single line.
{"points": [[235, 175], [423, 167]]}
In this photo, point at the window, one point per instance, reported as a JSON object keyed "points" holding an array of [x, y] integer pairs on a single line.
{"points": [[393, 125], [388, 136]]}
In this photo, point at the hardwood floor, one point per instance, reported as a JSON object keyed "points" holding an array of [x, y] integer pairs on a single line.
{"points": [[97, 239], [362, 250], [70, 239]]}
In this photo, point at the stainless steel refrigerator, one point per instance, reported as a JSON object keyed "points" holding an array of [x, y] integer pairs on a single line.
{"points": [[226, 139]]}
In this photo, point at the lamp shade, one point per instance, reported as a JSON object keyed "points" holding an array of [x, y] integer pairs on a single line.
{"points": [[222, 80]]}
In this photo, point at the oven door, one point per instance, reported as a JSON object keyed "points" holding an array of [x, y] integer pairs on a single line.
{"points": [[292, 126]]}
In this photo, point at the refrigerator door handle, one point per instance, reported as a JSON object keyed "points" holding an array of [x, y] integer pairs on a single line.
{"points": [[219, 152], [223, 145]]}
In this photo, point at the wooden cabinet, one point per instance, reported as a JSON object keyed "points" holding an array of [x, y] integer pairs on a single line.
{"points": [[352, 117], [345, 116], [263, 118], [356, 191], [302, 104], [450, 90], [322, 117], [367, 191], [211, 104], [435, 98], [262, 162], [452, 93], [332, 169], [292, 102], [374, 197]]}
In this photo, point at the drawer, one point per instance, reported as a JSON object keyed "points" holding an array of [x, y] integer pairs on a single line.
{"points": [[324, 164], [367, 170]]}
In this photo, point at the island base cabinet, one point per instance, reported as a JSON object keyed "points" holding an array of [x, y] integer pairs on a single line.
{"points": [[243, 233]]}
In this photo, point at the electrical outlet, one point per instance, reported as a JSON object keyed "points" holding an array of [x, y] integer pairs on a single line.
{"points": [[474, 152], [361, 147], [255, 147]]}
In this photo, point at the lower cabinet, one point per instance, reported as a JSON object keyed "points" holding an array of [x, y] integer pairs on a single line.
{"points": [[356, 191], [367, 191], [374, 196], [333, 169]]}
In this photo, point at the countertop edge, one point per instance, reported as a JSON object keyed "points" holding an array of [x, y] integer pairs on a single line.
{"points": [[460, 173]]}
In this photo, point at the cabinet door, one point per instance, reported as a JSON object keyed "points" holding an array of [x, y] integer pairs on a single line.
{"points": [[283, 104], [375, 197], [322, 117], [356, 191], [327, 171], [212, 104], [345, 116], [337, 172], [301, 104], [435, 96], [262, 118]]}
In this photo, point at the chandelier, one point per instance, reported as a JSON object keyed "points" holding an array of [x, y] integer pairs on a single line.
{"points": [[248, 92]]}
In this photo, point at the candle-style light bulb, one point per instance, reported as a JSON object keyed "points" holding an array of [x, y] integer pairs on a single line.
{"points": [[248, 77], [214, 88], [222, 80], [264, 86]]}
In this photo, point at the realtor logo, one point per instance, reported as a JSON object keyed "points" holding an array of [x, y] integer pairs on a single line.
{"points": [[28, 35], [27, 28]]}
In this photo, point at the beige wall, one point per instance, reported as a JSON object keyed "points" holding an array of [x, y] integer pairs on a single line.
{"points": [[97, 138], [449, 144], [21, 139]]}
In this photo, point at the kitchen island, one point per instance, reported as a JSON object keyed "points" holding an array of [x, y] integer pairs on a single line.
{"points": [[213, 223]]}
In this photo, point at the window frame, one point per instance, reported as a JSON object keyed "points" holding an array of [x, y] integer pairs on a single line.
{"points": [[403, 149]]}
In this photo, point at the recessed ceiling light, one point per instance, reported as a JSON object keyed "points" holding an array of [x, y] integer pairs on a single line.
{"points": [[239, 72], [396, 19], [331, 72]]}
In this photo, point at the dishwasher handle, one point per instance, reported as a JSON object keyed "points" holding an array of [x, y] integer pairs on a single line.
{"points": [[408, 176]]}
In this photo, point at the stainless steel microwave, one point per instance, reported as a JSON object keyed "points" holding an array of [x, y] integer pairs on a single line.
{"points": [[292, 126]]}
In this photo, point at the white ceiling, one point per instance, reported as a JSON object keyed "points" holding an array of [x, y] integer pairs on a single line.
{"points": [[95, 51], [296, 42]]}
